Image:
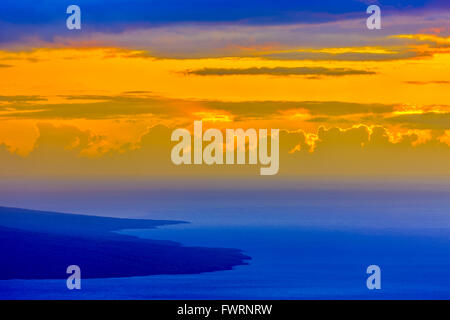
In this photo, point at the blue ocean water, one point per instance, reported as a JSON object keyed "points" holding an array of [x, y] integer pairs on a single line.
{"points": [[287, 263], [303, 246]]}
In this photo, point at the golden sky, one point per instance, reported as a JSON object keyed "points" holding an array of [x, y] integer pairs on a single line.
{"points": [[342, 110]]}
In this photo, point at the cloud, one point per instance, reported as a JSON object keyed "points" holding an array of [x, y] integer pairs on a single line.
{"points": [[438, 41], [355, 151], [20, 98], [346, 56], [428, 82], [62, 139], [363, 151], [430, 120], [279, 71], [264, 109], [45, 19], [95, 107], [128, 105], [59, 151], [279, 34]]}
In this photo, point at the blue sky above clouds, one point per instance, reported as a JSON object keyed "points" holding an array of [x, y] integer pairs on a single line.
{"points": [[46, 19]]}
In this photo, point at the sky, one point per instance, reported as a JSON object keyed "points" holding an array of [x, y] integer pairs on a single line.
{"points": [[101, 102]]}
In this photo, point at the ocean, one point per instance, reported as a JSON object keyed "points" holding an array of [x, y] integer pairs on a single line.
{"points": [[313, 250]]}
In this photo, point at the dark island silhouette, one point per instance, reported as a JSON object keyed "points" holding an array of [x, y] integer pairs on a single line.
{"points": [[41, 245]]}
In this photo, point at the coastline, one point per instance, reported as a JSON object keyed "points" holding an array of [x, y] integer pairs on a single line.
{"points": [[40, 245]]}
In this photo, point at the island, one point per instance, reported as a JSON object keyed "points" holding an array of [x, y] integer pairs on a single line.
{"points": [[41, 245]]}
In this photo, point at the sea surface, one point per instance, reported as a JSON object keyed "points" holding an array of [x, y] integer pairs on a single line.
{"points": [[304, 247]]}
